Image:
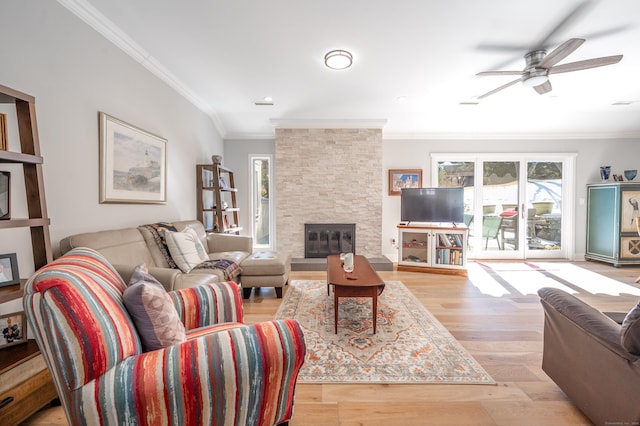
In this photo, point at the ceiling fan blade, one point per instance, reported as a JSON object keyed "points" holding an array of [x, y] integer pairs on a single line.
{"points": [[500, 88], [483, 73], [543, 88], [560, 52], [586, 64], [580, 9]]}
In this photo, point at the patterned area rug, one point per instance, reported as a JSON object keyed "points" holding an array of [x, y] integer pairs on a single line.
{"points": [[410, 345]]}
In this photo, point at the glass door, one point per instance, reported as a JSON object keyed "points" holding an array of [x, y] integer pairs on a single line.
{"points": [[544, 214], [517, 210]]}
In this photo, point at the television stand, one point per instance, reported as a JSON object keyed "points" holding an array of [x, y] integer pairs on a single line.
{"points": [[436, 248]]}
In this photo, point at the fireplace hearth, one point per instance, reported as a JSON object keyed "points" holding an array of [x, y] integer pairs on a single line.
{"points": [[323, 239]]}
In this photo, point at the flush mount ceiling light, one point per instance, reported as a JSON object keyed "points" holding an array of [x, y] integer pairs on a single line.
{"points": [[338, 59]]}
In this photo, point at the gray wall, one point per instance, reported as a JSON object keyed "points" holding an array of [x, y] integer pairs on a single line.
{"points": [[620, 154], [74, 72]]}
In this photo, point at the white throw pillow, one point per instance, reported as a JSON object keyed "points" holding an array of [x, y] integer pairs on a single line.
{"points": [[186, 249]]}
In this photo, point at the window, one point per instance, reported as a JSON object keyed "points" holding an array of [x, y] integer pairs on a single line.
{"points": [[261, 204]]}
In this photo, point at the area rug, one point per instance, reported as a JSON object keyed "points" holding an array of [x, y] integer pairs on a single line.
{"points": [[410, 344]]}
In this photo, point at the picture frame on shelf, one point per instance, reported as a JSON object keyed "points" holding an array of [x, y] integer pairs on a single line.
{"points": [[404, 178], [5, 195], [4, 137], [133, 164], [9, 274], [14, 329]]}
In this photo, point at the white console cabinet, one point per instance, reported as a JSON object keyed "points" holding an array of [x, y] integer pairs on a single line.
{"points": [[436, 248]]}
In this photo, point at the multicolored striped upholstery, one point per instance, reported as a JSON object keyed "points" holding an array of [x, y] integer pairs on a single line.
{"points": [[226, 373]]}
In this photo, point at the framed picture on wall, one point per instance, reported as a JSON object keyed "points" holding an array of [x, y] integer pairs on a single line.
{"points": [[14, 329], [133, 163], [404, 178], [9, 274]]}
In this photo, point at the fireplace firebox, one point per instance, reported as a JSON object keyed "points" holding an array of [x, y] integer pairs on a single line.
{"points": [[323, 239]]}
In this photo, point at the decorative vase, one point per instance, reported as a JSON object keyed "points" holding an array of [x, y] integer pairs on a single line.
{"points": [[630, 174], [605, 172], [217, 159]]}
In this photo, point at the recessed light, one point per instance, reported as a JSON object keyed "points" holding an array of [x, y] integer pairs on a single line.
{"points": [[401, 99], [617, 103]]}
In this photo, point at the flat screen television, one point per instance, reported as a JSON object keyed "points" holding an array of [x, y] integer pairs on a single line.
{"points": [[432, 205]]}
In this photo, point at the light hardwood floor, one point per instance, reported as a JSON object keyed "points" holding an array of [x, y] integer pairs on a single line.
{"points": [[504, 334]]}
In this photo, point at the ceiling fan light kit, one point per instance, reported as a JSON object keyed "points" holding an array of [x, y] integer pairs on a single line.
{"points": [[338, 59]]}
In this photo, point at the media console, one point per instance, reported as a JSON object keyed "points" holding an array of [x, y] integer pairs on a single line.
{"points": [[433, 247]]}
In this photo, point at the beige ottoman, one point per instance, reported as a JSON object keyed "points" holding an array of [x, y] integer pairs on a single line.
{"points": [[265, 269]]}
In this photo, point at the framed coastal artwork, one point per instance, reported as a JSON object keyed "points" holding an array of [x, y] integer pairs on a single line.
{"points": [[404, 178], [133, 163]]}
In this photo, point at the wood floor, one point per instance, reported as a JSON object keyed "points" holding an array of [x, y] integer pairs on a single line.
{"points": [[504, 334]]}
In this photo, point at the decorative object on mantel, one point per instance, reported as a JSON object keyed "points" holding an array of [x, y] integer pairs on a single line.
{"points": [[14, 329], [630, 174], [9, 274], [5, 195], [133, 163], [605, 172], [216, 159]]}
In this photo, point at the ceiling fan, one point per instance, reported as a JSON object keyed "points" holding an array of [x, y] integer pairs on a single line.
{"points": [[540, 65]]}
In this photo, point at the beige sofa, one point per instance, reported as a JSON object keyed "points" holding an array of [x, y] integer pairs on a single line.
{"points": [[127, 247]]}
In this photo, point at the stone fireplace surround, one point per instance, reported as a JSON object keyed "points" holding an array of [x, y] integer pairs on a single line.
{"points": [[328, 176]]}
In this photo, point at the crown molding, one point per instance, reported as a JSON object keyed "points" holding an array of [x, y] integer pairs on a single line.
{"points": [[508, 136], [96, 20], [321, 123]]}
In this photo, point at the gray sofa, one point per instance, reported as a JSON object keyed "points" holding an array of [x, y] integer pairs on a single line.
{"points": [[584, 356], [127, 247]]}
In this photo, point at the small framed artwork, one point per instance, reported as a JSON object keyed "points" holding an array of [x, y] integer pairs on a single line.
{"points": [[133, 164], [5, 195], [407, 178], [9, 274], [630, 210], [14, 329], [4, 138]]}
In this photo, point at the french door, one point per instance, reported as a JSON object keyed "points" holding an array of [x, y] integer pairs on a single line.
{"points": [[517, 206]]}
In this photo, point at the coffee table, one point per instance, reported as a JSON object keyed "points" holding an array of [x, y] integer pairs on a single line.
{"points": [[362, 282]]}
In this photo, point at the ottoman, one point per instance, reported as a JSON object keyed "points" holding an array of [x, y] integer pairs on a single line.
{"points": [[265, 269]]}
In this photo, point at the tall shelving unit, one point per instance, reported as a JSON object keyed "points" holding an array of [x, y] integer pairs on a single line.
{"points": [[217, 206], [25, 392]]}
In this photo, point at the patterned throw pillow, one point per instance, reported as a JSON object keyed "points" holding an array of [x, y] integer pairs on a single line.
{"points": [[153, 312], [186, 249], [630, 332]]}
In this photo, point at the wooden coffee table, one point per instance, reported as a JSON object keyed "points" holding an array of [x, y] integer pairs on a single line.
{"points": [[362, 282]]}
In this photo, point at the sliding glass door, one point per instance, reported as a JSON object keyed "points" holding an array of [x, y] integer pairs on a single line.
{"points": [[515, 204]]}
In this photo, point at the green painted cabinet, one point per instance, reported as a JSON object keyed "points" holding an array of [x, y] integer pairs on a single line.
{"points": [[612, 214]]}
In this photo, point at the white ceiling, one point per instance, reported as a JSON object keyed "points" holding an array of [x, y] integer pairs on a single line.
{"points": [[226, 55]]}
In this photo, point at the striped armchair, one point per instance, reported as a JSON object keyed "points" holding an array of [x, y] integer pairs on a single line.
{"points": [[225, 373]]}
